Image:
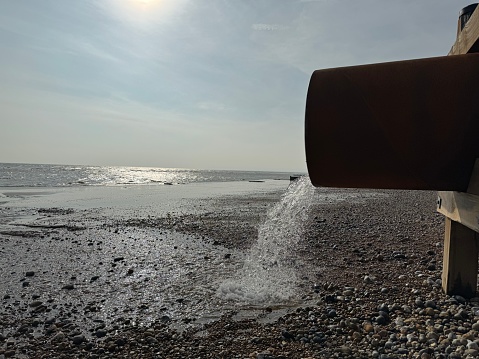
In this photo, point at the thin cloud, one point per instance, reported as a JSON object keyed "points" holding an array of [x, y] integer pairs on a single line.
{"points": [[87, 48], [269, 27]]}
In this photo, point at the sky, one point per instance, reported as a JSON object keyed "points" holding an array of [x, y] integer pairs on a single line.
{"points": [[205, 84]]}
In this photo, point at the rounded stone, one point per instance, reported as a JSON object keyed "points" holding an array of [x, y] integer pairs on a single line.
{"points": [[100, 333], [430, 304], [472, 345], [381, 320], [383, 307], [367, 279], [78, 339], [419, 303], [368, 328], [332, 313], [471, 352], [58, 337]]}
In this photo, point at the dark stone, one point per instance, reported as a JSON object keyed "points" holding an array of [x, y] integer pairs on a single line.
{"points": [[151, 340], [50, 320], [330, 298], [381, 320], [9, 353], [78, 339], [460, 299], [332, 313], [383, 308], [430, 304], [165, 318], [287, 335], [384, 314], [100, 333], [120, 342]]}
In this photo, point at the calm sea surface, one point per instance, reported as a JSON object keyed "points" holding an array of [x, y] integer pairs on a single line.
{"points": [[40, 175]]}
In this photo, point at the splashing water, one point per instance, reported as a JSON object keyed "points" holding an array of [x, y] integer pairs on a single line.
{"points": [[268, 275]]}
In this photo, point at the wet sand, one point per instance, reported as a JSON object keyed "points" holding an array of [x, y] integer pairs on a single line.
{"points": [[137, 276]]}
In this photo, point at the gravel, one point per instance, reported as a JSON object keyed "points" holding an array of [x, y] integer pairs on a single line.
{"points": [[370, 288]]}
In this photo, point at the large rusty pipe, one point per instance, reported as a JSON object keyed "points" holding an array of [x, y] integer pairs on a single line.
{"points": [[401, 125]]}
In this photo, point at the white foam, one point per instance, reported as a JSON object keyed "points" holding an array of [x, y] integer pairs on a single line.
{"points": [[268, 275]]}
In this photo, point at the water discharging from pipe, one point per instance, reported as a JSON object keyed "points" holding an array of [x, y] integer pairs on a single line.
{"points": [[268, 275]]}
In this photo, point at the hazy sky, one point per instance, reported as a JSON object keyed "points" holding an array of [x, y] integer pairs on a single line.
{"points": [[216, 84]]}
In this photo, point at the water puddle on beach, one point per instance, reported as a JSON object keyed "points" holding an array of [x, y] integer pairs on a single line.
{"points": [[269, 276]]}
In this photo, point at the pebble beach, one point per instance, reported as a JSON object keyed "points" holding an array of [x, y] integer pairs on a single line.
{"points": [[97, 283]]}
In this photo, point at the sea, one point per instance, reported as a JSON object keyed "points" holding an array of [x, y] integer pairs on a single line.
{"points": [[51, 175]]}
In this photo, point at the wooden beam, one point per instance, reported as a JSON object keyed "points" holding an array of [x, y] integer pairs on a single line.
{"points": [[468, 39], [460, 207], [460, 264], [459, 275]]}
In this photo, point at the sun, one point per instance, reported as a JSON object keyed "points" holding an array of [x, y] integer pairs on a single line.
{"points": [[145, 13], [147, 3]]}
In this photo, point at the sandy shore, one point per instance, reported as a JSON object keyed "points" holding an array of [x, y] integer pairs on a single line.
{"points": [[92, 282]]}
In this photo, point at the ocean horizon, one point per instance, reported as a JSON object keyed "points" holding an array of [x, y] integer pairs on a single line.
{"points": [[55, 175]]}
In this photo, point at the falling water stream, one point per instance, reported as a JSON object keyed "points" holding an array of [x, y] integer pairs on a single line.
{"points": [[269, 275]]}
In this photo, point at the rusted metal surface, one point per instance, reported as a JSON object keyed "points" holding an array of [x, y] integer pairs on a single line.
{"points": [[401, 125]]}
